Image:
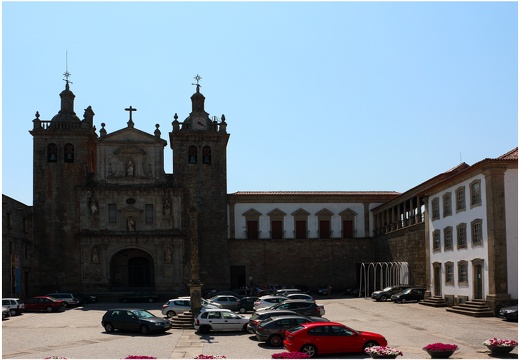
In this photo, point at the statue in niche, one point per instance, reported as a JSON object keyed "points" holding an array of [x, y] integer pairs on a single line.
{"points": [[93, 206], [130, 168], [131, 223], [149, 171], [167, 207], [168, 254], [95, 255]]}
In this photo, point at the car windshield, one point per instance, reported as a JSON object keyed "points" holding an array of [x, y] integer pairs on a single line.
{"points": [[406, 291], [387, 288], [296, 328], [142, 314]]}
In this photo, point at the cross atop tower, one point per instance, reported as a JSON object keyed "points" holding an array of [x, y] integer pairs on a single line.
{"points": [[67, 73], [197, 78]]}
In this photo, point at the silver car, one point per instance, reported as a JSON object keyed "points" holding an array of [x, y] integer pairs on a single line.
{"points": [[226, 301]]}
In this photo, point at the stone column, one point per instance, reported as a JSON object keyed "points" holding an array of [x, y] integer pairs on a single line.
{"points": [[195, 285], [428, 292], [496, 237]]}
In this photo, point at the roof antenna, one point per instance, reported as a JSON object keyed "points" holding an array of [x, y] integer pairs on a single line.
{"points": [[66, 73]]}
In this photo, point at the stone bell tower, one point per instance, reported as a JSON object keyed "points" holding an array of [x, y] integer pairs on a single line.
{"points": [[63, 156], [199, 146]]}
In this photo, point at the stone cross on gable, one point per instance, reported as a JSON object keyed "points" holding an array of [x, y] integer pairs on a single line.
{"points": [[130, 109]]}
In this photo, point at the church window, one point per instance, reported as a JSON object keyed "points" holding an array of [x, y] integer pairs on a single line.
{"points": [[252, 229], [112, 213], [52, 153], [301, 229], [461, 236], [324, 229], [447, 204], [206, 155], [476, 233], [435, 208], [148, 213], [475, 193], [276, 229], [68, 152], [448, 238], [436, 240], [461, 199], [192, 155]]}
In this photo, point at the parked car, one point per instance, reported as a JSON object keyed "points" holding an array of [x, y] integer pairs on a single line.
{"points": [[323, 290], [212, 293], [268, 301], [86, 298], [509, 313], [330, 338], [226, 301], [246, 304], [299, 296], [219, 320], [272, 330], [70, 299], [179, 305], [15, 305], [44, 303], [387, 292], [285, 292], [263, 315], [134, 320], [140, 296], [410, 294], [302, 307], [5, 313]]}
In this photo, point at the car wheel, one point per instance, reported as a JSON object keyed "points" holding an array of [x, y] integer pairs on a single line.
{"points": [[12, 312], [275, 340], [242, 310], [145, 330], [65, 304], [109, 328], [170, 313], [309, 350], [244, 328], [369, 344], [205, 329], [48, 309], [383, 298], [150, 300], [403, 301]]}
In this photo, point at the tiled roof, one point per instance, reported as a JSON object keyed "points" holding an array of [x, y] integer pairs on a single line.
{"points": [[510, 155]]}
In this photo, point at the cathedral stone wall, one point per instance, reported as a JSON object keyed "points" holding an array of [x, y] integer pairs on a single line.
{"points": [[309, 262], [405, 245]]}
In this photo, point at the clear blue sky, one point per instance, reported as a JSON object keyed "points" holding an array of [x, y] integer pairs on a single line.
{"points": [[353, 96]]}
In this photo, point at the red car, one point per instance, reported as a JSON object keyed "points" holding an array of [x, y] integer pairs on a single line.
{"points": [[44, 303], [329, 338]]}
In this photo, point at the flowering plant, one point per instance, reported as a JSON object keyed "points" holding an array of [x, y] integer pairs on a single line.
{"points": [[500, 342], [440, 347], [290, 355], [383, 350], [202, 356], [140, 357]]}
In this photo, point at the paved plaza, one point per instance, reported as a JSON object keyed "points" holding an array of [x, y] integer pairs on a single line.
{"points": [[77, 333]]}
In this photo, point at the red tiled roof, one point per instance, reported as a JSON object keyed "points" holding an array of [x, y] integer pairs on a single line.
{"points": [[510, 155]]}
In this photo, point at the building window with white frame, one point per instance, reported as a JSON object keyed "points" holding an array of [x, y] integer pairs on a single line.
{"points": [[476, 198], [436, 240], [435, 209], [448, 238], [461, 236], [446, 200], [463, 272], [461, 198], [448, 273], [476, 232]]}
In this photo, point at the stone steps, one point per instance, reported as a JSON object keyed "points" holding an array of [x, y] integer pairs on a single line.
{"points": [[475, 308], [182, 321], [435, 301]]}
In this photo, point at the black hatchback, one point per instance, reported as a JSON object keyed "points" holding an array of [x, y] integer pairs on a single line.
{"points": [[411, 294], [134, 320]]}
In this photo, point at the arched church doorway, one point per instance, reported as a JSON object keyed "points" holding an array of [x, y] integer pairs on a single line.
{"points": [[132, 269]]}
